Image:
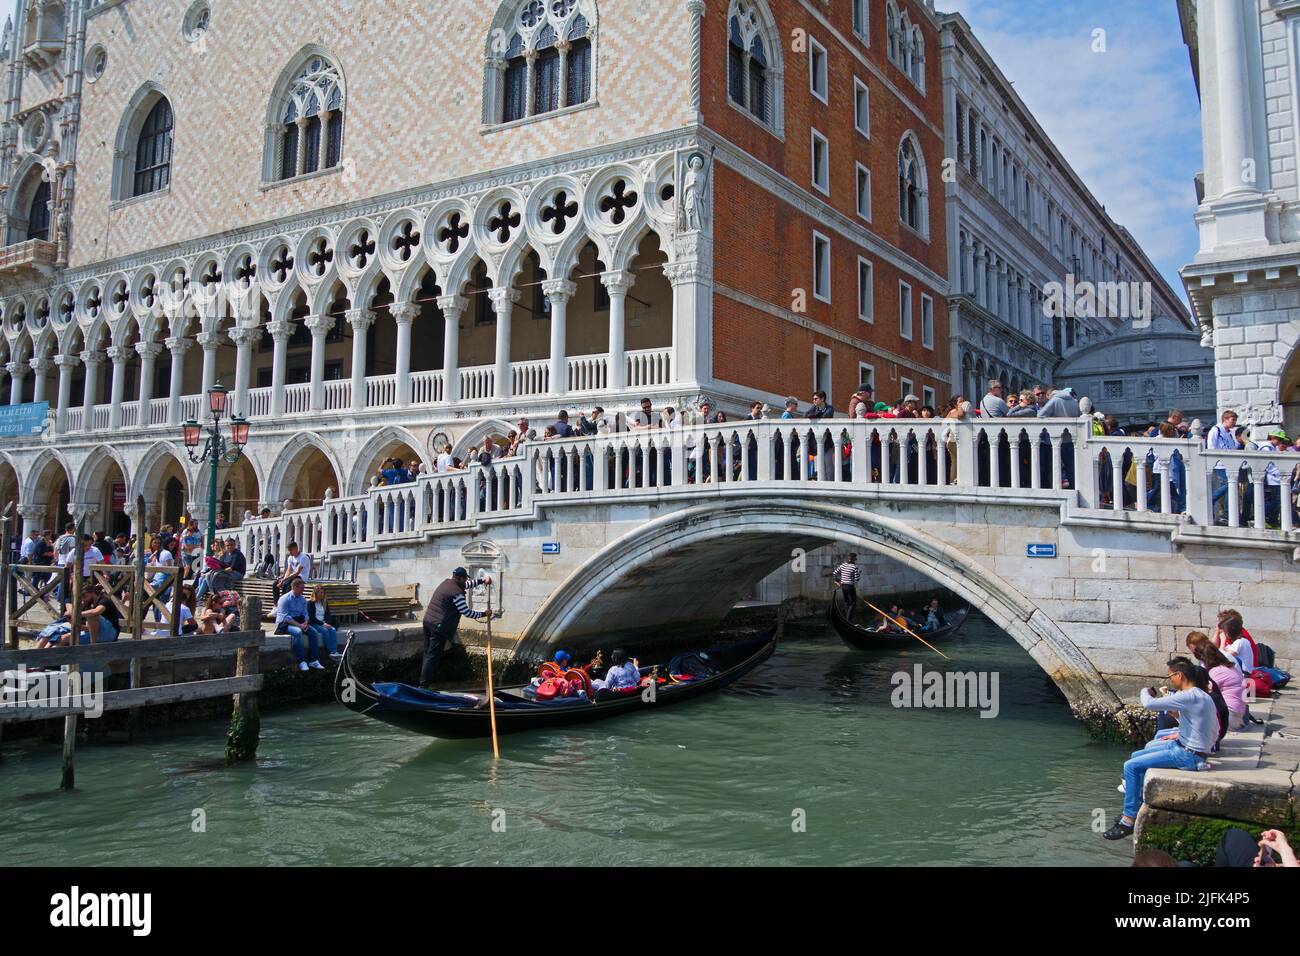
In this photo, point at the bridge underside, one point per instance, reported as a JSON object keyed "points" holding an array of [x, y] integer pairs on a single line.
{"points": [[679, 575]]}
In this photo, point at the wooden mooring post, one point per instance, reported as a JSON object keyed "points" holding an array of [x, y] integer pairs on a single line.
{"points": [[75, 569]]}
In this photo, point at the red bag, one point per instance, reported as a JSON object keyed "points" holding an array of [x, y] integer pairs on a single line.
{"points": [[1263, 684]]}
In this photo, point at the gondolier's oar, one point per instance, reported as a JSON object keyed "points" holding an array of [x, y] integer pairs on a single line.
{"points": [[906, 628], [492, 703]]}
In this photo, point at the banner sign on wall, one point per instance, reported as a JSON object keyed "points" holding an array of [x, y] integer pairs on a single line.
{"points": [[23, 420]]}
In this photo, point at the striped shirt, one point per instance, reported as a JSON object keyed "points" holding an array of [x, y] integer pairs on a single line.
{"points": [[848, 573]]}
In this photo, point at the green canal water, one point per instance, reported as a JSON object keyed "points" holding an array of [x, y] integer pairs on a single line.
{"points": [[719, 781]]}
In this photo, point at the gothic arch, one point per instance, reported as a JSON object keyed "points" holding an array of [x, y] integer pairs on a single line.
{"points": [[26, 182], [155, 463], [313, 74], [913, 185], [752, 28], [42, 478], [280, 478], [519, 32], [365, 460]]}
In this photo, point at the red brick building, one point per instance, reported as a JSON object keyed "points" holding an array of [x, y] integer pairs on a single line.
{"points": [[818, 284]]}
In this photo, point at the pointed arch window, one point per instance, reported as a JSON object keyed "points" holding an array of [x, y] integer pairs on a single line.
{"points": [[753, 74], [153, 151], [38, 219], [548, 62], [309, 132], [911, 187]]}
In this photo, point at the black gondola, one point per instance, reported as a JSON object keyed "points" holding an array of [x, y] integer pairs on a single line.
{"points": [[460, 715], [865, 639]]}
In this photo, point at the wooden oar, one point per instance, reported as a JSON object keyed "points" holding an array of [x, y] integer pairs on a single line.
{"points": [[907, 629], [492, 703]]}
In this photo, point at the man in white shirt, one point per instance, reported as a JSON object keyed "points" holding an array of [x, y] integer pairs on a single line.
{"points": [[1222, 437], [296, 565], [25, 552]]}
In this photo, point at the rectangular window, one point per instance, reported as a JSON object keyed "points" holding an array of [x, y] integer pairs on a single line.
{"points": [[516, 97], [927, 396], [1189, 384], [822, 372], [866, 291], [821, 162], [861, 23], [905, 385], [864, 192], [818, 71], [736, 74], [579, 85], [311, 146], [821, 267], [1113, 389], [289, 155], [547, 93], [866, 375], [927, 321], [861, 107], [905, 311], [334, 142]]}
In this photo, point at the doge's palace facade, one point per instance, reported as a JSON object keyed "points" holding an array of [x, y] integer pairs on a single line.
{"points": [[382, 226]]}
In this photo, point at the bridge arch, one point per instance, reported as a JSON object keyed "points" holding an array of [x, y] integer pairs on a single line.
{"points": [[709, 555]]}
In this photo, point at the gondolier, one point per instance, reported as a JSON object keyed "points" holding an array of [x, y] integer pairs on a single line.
{"points": [[847, 576], [442, 618]]}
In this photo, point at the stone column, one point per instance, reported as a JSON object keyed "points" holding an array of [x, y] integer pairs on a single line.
{"points": [[319, 326], [178, 346], [322, 145], [17, 372], [404, 314], [148, 352], [33, 516], [1234, 114], [360, 320], [40, 368], [981, 277], [117, 354], [968, 251], [209, 342], [618, 284], [558, 293], [692, 301], [453, 307], [243, 337], [301, 164], [503, 301], [92, 361], [66, 364], [280, 331]]}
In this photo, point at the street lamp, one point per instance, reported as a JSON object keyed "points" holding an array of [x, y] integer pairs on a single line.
{"points": [[216, 448]]}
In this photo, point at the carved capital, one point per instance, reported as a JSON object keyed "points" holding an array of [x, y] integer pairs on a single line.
{"points": [[67, 361], [618, 283], [280, 330], [40, 365], [208, 341], [404, 313], [16, 369], [178, 345], [559, 290], [503, 299], [319, 325], [92, 358], [117, 354], [453, 305], [148, 350], [360, 319], [244, 336]]}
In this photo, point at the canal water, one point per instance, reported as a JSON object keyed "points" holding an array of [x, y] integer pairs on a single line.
{"points": [[811, 738]]}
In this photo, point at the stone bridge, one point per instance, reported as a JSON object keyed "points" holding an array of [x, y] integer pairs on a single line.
{"points": [[643, 533]]}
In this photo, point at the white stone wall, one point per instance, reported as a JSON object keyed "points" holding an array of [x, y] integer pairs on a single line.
{"points": [[1255, 334]]}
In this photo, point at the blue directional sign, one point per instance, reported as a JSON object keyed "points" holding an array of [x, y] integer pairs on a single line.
{"points": [[1040, 550], [28, 419], [550, 547]]}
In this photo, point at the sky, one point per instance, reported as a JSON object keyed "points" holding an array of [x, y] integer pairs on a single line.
{"points": [[1127, 119]]}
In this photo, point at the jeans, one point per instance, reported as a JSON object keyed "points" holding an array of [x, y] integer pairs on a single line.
{"points": [[329, 636], [434, 640], [158, 581], [296, 632], [1155, 755], [107, 633]]}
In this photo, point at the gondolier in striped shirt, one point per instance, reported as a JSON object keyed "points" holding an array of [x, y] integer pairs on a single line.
{"points": [[442, 617], [847, 577]]}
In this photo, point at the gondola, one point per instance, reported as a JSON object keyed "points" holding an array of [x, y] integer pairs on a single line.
{"points": [[865, 639], [461, 715]]}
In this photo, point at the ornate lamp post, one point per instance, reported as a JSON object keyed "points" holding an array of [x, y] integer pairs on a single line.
{"points": [[216, 449]]}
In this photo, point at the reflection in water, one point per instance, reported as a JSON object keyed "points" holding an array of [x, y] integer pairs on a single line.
{"points": [[715, 781]]}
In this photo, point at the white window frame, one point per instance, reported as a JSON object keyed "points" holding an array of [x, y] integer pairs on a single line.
{"points": [[867, 373], [857, 191], [817, 54], [927, 321], [861, 99], [867, 308], [819, 238], [817, 137], [906, 320], [865, 33], [929, 396], [905, 388], [819, 351]]}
